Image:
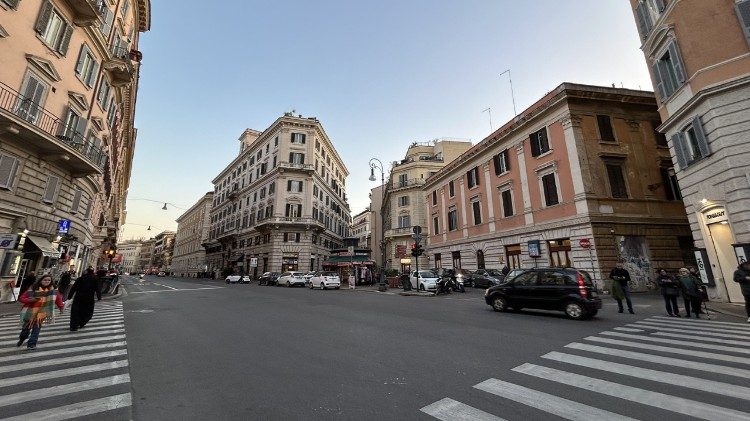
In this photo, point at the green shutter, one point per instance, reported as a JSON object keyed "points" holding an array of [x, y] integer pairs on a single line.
{"points": [[676, 59], [678, 143], [659, 81]]}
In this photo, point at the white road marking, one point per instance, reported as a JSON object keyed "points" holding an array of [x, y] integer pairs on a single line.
{"points": [[47, 332], [672, 350], [701, 321], [628, 329], [703, 339], [73, 342], [697, 330], [669, 361], [165, 286], [63, 389], [693, 343], [551, 404], [449, 410], [696, 383], [61, 323], [78, 409], [176, 290], [23, 355], [646, 397], [62, 361], [701, 326], [57, 336], [94, 368]]}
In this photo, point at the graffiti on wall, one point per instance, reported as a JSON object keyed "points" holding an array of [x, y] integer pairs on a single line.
{"points": [[634, 256]]}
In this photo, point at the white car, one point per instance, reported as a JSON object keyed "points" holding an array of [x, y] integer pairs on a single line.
{"points": [[426, 281], [308, 276], [325, 280], [237, 279], [291, 279]]}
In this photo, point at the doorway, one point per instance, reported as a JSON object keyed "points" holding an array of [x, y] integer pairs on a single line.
{"points": [[722, 239]]}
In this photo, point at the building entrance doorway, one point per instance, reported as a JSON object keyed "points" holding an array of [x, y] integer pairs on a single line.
{"points": [[722, 239]]}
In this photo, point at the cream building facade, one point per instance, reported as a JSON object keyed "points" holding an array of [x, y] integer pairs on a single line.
{"points": [[130, 251], [189, 258], [68, 87], [698, 53], [403, 205], [281, 204], [362, 229]]}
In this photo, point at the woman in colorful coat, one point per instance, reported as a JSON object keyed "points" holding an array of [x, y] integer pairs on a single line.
{"points": [[39, 303]]}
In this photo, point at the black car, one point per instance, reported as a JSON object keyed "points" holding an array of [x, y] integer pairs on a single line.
{"points": [[564, 289], [485, 278], [269, 278]]}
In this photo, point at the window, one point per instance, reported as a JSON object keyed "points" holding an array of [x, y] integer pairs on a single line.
{"points": [[293, 210], [297, 158], [403, 201], [513, 254], [74, 124], [34, 91], [8, 168], [669, 182], [617, 185], [525, 279], [501, 162], [403, 180], [452, 220], [438, 261], [691, 144], [404, 221], [50, 193], [480, 259], [125, 9], [434, 198], [606, 134], [104, 92], [451, 189], [53, 28], [559, 253], [743, 13], [539, 142], [299, 138], [476, 208], [553, 278], [472, 177], [86, 67], [669, 72], [435, 225], [506, 198], [294, 186], [112, 114], [272, 188], [11, 3], [549, 189], [661, 139], [456, 256]]}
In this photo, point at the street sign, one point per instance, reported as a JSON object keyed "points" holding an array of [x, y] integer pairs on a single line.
{"points": [[350, 250], [416, 237], [63, 226], [417, 229], [8, 241], [534, 249], [253, 262], [584, 243]]}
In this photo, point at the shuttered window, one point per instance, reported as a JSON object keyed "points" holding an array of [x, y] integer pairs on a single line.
{"points": [[472, 177], [50, 193], [743, 13], [86, 67], [34, 91], [76, 201], [403, 201], [451, 189], [11, 3], [452, 220], [549, 187], [539, 142], [691, 144], [55, 31], [669, 72], [501, 162], [616, 181], [507, 200], [299, 138], [8, 169]]}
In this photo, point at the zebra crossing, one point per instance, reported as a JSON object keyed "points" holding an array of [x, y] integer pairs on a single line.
{"points": [[70, 374], [655, 368]]}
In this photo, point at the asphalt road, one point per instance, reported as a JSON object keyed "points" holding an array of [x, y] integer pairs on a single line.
{"points": [[201, 349]]}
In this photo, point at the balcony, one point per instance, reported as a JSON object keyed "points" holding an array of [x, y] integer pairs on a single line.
{"points": [[276, 222], [418, 159], [85, 12], [395, 232], [120, 66], [295, 167], [38, 129]]}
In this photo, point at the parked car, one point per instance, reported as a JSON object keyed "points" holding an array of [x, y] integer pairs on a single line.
{"points": [[485, 278], [161, 274], [308, 276], [325, 280], [291, 279], [237, 279], [269, 278], [425, 280], [564, 289], [513, 273]]}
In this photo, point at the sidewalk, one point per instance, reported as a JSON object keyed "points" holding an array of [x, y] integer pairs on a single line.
{"points": [[729, 309]]}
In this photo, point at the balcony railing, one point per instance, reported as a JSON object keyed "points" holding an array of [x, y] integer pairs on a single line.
{"points": [[400, 184], [419, 159], [294, 166], [120, 66], [47, 133], [398, 231], [85, 12]]}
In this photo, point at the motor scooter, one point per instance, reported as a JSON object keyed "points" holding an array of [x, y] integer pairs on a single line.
{"points": [[442, 286]]}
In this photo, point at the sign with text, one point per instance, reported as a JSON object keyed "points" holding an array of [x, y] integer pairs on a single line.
{"points": [[63, 227], [253, 262], [534, 249], [715, 215], [8, 241]]}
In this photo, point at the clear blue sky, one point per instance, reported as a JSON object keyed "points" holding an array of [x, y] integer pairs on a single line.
{"points": [[379, 75]]}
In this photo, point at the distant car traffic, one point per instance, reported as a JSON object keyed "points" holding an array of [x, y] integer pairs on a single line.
{"points": [[563, 289], [291, 279], [485, 278], [325, 280], [269, 278], [426, 280], [237, 279]]}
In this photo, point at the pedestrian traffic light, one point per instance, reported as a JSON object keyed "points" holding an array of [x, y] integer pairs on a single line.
{"points": [[416, 250]]}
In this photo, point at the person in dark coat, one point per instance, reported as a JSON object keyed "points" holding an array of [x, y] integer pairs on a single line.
{"points": [[691, 292], [64, 283], [670, 290], [622, 277], [742, 277], [27, 282], [83, 292]]}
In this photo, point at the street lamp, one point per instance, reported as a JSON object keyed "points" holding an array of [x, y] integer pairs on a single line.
{"points": [[376, 164]]}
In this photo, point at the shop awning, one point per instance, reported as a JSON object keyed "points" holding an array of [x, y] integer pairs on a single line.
{"points": [[347, 260], [48, 250]]}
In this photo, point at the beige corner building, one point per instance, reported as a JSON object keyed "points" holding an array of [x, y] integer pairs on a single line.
{"points": [[403, 204], [189, 258], [130, 251], [698, 53], [68, 86]]}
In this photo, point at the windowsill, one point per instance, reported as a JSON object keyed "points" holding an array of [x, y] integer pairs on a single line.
{"points": [[552, 206], [52, 50], [474, 187], [609, 142], [506, 172], [549, 152]]}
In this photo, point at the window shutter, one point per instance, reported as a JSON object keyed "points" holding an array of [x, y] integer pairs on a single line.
{"points": [[76, 202], [108, 19], [299, 210], [291, 157], [679, 69], [534, 144], [659, 5], [496, 163], [701, 137], [679, 149], [304, 138], [81, 127], [8, 168], [44, 14], [289, 185], [12, 3], [81, 59], [506, 156], [92, 76], [65, 42], [655, 69], [302, 159], [743, 13], [644, 20], [49, 193]]}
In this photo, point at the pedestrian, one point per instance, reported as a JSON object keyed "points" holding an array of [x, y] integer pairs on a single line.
{"points": [[695, 274], [742, 276], [39, 303], [691, 293], [82, 293], [670, 290], [351, 278], [26, 282], [64, 283], [621, 277], [505, 271]]}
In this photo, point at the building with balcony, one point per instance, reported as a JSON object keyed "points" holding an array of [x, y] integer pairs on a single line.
{"points": [[163, 251], [146, 257], [403, 200], [281, 204], [698, 53], [130, 251], [583, 165], [189, 258], [362, 230], [66, 127]]}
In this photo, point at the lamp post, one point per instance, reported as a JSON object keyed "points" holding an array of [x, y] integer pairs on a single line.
{"points": [[376, 164]]}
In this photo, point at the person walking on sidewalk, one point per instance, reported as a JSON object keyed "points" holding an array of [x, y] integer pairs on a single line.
{"points": [[620, 277], [691, 292], [670, 290], [742, 276], [39, 303], [82, 293]]}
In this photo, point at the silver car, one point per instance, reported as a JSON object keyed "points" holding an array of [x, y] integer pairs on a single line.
{"points": [[291, 279], [325, 280]]}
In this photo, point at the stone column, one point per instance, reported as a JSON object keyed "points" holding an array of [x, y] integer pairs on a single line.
{"points": [[462, 206], [578, 159], [528, 216], [490, 197]]}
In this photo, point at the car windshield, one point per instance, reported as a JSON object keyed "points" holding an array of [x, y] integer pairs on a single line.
{"points": [[427, 274], [494, 272], [330, 274]]}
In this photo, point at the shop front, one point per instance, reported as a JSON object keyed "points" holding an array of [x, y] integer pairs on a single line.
{"points": [[720, 253]]}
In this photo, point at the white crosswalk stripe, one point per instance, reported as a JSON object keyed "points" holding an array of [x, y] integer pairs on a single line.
{"points": [[70, 374], [668, 372]]}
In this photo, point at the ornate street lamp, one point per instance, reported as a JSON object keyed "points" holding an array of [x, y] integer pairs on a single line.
{"points": [[376, 164]]}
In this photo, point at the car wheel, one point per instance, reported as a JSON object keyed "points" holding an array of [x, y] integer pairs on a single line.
{"points": [[499, 304], [322, 285], [574, 311], [288, 285], [311, 285], [227, 281]]}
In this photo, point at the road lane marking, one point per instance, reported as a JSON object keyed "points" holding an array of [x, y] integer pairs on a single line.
{"points": [[65, 360], [13, 332], [165, 286], [94, 368], [78, 409], [36, 354], [628, 329], [551, 404], [447, 409], [703, 339], [681, 380], [646, 397], [700, 321], [672, 350], [58, 336], [175, 290], [15, 350], [693, 329], [692, 343], [51, 331], [63, 389], [689, 325], [59, 320]]}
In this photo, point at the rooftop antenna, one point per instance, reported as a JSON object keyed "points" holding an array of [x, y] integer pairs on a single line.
{"points": [[489, 109], [512, 95]]}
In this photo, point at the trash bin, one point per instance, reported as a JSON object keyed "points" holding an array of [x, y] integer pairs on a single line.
{"points": [[405, 282]]}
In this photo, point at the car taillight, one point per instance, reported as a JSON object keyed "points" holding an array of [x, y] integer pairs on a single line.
{"points": [[582, 286]]}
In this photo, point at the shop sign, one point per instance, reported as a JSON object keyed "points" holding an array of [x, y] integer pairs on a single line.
{"points": [[704, 267], [253, 262], [534, 249], [8, 241], [715, 215]]}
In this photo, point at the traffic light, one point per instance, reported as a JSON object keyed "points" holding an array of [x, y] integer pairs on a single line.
{"points": [[419, 250], [416, 250]]}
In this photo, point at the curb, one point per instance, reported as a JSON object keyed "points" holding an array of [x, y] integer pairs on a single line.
{"points": [[726, 313], [416, 294]]}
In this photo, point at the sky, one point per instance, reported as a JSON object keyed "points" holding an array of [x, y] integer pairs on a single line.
{"points": [[378, 75]]}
